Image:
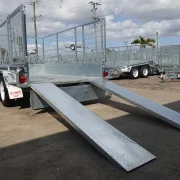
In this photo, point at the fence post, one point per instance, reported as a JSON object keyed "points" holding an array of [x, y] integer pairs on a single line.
{"points": [[75, 34]]}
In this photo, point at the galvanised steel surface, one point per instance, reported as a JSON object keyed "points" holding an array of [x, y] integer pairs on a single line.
{"points": [[66, 69], [57, 79], [13, 42], [81, 93], [112, 143], [128, 55], [170, 55], [165, 56], [170, 59], [151, 107]]}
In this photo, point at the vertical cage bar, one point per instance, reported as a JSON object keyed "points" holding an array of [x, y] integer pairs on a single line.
{"points": [[179, 54], [43, 50], [23, 16], [75, 35], [10, 40], [102, 40], [83, 40], [104, 20], [128, 52]]}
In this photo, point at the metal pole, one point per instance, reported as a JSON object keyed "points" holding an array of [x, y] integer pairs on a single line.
{"points": [[179, 55], [94, 7], [128, 54], [35, 28], [102, 39], [25, 53], [105, 40], [57, 45], [75, 34], [23, 16], [160, 56], [157, 39], [9, 39], [95, 4], [83, 39], [119, 55]]}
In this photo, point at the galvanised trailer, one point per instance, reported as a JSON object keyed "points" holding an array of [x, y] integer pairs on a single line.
{"points": [[63, 78], [136, 62], [132, 61], [169, 62]]}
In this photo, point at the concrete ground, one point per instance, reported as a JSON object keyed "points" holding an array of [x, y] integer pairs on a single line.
{"points": [[40, 145]]}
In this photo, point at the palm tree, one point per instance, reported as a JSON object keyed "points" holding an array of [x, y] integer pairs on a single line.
{"points": [[144, 42]]}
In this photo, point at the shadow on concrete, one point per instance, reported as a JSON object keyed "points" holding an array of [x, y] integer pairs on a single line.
{"points": [[144, 116], [67, 155]]}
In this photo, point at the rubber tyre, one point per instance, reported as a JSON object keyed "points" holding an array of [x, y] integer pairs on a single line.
{"points": [[144, 72], [134, 73], [5, 101]]}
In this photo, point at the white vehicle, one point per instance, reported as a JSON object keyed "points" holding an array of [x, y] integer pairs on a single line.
{"points": [[33, 51]]}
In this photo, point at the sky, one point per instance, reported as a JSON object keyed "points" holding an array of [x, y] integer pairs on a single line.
{"points": [[126, 19]]}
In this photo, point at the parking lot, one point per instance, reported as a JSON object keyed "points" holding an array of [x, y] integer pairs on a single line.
{"points": [[41, 145]]}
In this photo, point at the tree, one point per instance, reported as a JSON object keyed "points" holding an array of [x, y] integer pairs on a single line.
{"points": [[144, 42], [108, 50]]}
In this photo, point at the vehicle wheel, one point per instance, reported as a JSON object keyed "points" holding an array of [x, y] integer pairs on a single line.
{"points": [[134, 73], [144, 71], [4, 96]]}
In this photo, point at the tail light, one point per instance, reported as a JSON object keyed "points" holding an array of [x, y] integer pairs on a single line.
{"points": [[105, 73], [23, 75], [22, 79]]}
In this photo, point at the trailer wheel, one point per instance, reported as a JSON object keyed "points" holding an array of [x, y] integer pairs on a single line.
{"points": [[4, 96], [144, 71], [134, 73]]}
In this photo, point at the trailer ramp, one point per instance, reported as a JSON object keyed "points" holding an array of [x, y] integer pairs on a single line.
{"points": [[112, 143], [151, 107]]}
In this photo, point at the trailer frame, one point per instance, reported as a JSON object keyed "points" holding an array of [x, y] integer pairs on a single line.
{"points": [[63, 83]]}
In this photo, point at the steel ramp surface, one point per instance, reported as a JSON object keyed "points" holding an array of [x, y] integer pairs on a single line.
{"points": [[161, 112], [112, 143]]}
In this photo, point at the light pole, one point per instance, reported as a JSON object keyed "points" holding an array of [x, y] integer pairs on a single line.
{"points": [[94, 5], [157, 37]]}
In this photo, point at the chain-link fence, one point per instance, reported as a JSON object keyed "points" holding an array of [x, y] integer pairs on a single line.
{"points": [[81, 44], [13, 45]]}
